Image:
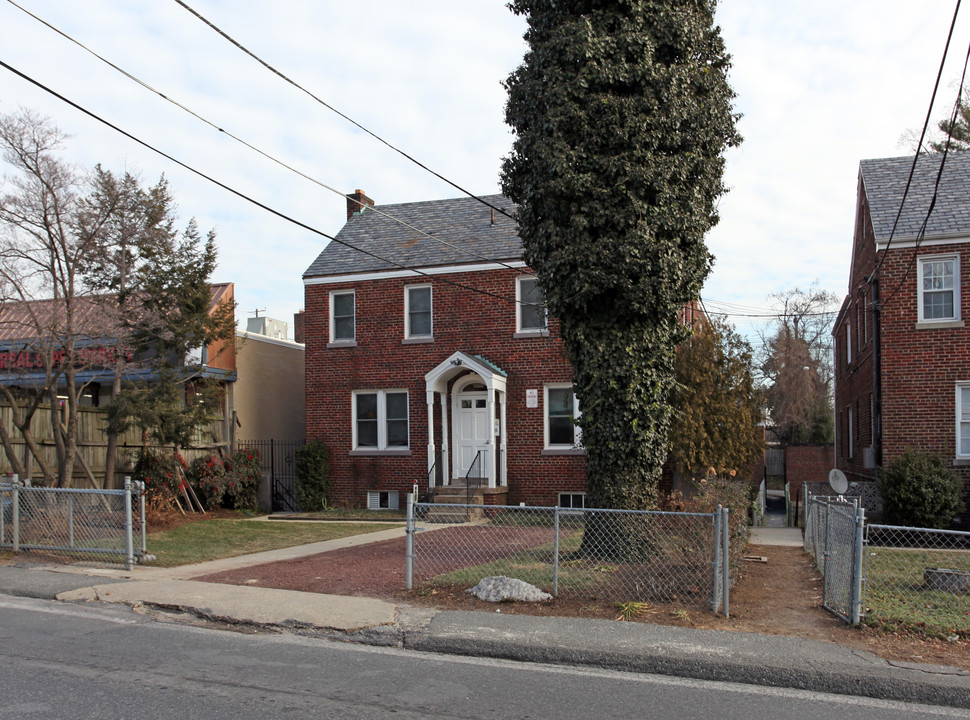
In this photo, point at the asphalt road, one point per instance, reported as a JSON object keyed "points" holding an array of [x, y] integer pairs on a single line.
{"points": [[92, 661]]}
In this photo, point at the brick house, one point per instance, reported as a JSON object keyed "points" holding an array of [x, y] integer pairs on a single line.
{"points": [[430, 358], [902, 347]]}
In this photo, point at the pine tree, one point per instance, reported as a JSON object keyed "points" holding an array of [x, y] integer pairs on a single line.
{"points": [[622, 112], [717, 417]]}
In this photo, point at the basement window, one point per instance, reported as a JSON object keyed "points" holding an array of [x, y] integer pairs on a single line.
{"points": [[382, 500], [572, 500]]}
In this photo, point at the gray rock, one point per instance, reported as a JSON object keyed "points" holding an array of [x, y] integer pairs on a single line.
{"points": [[499, 588]]}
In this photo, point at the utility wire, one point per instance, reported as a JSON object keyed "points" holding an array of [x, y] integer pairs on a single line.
{"points": [[245, 197], [936, 186], [279, 162], [334, 110], [926, 123]]}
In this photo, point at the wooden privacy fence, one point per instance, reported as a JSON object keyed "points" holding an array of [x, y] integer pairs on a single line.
{"points": [[92, 445]]}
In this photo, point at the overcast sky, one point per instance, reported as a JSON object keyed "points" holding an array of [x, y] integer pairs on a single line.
{"points": [[821, 85]]}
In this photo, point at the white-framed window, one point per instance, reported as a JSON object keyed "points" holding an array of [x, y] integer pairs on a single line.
{"points": [[417, 312], [561, 412], [380, 419], [939, 288], [848, 343], [383, 500], [530, 305], [343, 320], [572, 500], [963, 420]]}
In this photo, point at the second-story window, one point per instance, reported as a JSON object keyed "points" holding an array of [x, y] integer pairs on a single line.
{"points": [[342, 316], [530, 305], [417, 312], [939, 289]]}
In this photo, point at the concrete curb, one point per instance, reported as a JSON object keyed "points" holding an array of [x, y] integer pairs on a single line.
{"points": [[775, 661]]}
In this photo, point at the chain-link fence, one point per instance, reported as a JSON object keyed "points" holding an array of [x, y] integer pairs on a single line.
{"points": [[100, 525], [612, 555], [892, 576], [918, 577], [833, 536], [866, 494]]}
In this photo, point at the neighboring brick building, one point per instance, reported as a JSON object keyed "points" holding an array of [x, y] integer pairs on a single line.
{"points": [[807, 463], [902, 348]]}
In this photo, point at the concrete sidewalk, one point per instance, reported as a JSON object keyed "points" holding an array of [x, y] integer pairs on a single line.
{"points": [[636, 647]]}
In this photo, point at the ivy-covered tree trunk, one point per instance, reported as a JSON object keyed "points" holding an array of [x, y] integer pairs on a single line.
{"points": [[622, 112]]}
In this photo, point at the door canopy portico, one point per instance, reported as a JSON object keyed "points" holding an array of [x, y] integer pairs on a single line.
{"points": [[494, 446]]}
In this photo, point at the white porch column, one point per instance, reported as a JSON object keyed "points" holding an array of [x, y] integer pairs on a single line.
{"points": [[430, 397], [490, 413], [503, 467], [445, 432]]}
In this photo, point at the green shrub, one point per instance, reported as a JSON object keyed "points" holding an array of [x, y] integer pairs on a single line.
{"points": [[161, 471], [244, 474], [209, 479], [919, 490], [312, 476]]}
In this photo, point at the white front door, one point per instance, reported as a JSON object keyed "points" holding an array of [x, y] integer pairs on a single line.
{"points": [[472, 433]]}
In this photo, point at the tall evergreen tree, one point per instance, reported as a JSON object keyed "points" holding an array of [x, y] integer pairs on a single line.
{"points": [[622, 112], [718, 411], [172, 324]]}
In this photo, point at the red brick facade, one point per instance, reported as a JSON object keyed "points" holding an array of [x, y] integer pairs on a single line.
{"points": [[473, 313], [897, 377]]}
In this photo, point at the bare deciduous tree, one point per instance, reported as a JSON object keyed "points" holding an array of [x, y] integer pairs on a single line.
{"points": [[796, 366]]}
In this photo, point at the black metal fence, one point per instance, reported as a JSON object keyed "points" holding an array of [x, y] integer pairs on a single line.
{"points": [[278, 460]]}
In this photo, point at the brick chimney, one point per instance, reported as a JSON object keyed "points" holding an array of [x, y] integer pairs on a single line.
{"points": [[356, 202]]}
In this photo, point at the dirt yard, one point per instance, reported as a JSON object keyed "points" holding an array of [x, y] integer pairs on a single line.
{"points": [[781, 596]]}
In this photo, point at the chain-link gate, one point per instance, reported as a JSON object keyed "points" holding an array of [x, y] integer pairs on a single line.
{"points": [[834, 529]]}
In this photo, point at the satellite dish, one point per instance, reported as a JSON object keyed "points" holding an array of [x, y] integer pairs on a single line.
{"points": [[838, 482]]}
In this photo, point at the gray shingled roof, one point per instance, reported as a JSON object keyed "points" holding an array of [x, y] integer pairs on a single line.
{"points": [[462, 233], [885, 180]]}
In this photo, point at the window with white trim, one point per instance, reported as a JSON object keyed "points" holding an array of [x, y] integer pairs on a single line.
{"points": [[848, 343], [530, 305], [343, 321], [939, 288], [562, 410], [963, 420], [380, 419], [573, 500], [417, 311], [383, 500]]}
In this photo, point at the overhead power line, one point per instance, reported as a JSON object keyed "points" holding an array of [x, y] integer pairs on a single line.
{"points": [[921, 235], [919, 146], [356, 124], [243, 196], [266, 155]]}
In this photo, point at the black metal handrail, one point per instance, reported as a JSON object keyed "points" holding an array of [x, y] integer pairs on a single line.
{"points": [[468, 477], [432, 488]]}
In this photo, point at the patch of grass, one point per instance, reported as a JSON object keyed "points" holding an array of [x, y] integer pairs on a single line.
{"points": [[896, 599], [633, 609], [535, 566], [348, 514], [212, 539]]}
